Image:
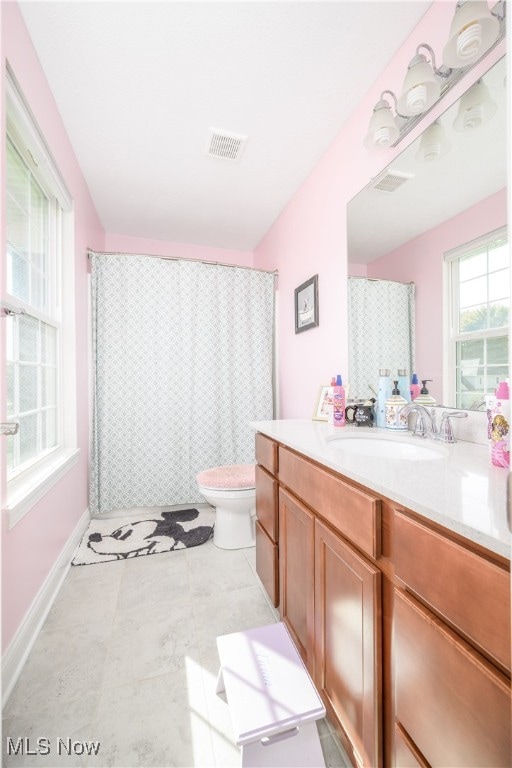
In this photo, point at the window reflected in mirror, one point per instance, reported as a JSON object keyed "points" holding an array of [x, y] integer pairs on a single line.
{"points": [[479, 300]]}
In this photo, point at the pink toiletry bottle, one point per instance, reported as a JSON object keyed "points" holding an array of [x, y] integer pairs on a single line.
{"points": [[415, 387], [338, 403], [330, 407], [500, 427]]}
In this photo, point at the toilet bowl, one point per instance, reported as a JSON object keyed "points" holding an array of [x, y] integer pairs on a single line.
{"points": [[231, 490]]}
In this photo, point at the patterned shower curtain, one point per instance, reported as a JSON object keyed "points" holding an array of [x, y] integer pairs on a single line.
{"points": [[380, 331], [183, 361]]}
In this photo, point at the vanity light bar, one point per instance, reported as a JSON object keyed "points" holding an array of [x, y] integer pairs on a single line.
{"points": [[399, 125]]}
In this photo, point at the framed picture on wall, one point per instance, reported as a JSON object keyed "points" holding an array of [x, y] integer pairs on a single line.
{"points": [[306, 305]]}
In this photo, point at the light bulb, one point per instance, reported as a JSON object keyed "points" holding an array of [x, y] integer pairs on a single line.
{"points": [[420, 89], [473, 31], [382, 131]]}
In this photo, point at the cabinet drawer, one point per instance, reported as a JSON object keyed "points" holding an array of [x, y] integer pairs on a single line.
{"points": [[267, 564], [472, 593], [354, 513], [267, 510], [454, 705], [266, 453]]}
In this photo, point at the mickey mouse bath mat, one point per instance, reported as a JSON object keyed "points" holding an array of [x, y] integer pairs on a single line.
{"points": [[114, 539]]}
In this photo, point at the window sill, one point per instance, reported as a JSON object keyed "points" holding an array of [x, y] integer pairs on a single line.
{"points": [[38, 485]]}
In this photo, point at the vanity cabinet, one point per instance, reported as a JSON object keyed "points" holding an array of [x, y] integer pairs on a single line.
{"points": [[403, 624], [451, 665], [330, 595], [347, 668], [267, 517], [296, 573]]}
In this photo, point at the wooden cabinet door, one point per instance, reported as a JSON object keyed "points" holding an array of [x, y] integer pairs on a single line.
{"points": [[267, 502], [453, 704], [296, 572], [267, 563], [347, 668]]}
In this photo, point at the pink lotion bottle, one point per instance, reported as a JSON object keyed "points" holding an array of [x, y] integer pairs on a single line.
{"points": [[338, 403], [500, 427]]}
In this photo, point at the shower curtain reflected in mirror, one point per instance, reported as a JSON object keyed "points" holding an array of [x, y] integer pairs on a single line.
{"points": [[183, 361], [380, 331]]}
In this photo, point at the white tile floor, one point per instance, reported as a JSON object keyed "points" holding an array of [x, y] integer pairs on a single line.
{"points": [[127, 658]]}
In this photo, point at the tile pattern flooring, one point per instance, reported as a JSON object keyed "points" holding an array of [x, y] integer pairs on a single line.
{"points": [[127, 658]]}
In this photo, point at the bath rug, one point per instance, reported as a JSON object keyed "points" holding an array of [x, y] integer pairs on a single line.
{"points": [[115, 539]]}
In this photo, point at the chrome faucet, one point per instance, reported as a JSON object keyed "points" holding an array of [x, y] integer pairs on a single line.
{"points": [[426, 425]]}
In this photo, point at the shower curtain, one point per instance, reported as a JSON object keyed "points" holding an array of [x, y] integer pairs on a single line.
{"points": [[380, 331], [182, 362]]}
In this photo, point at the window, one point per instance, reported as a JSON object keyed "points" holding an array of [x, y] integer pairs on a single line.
{"points": [[33, 338], [40, 327], [480, 307]]}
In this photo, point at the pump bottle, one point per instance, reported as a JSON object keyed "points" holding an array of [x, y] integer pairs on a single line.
{"points": [[424, 397], [394, 418]]}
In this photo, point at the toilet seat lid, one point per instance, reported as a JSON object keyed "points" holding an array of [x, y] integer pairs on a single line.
{"points": [[229, 477]]}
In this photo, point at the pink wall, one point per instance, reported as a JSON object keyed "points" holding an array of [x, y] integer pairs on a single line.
{"points": [[127, 244], [309, 237], [31, 548], [421, 261]]}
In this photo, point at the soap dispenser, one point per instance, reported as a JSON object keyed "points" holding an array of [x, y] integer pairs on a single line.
{"points": [[395, 419], [424, 397]]}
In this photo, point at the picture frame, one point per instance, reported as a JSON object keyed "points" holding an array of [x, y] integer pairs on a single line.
{"points": [[306, 305], [321, 412]]}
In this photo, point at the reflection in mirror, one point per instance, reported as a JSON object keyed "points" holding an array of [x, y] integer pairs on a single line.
{"points": [[444, 193], [381, 329]]}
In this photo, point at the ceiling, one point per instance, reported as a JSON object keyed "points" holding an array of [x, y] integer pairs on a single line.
{"points": [[474, 168], [140, 84]]}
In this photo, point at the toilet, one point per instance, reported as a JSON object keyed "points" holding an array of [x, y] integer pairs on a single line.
{"points": [[232, 491]]}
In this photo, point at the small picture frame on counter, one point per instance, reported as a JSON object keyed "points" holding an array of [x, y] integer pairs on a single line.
{"points": [[306, 305], [321, 412]]}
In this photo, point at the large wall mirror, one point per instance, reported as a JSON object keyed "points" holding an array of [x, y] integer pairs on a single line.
{"points": [[420, 208]]}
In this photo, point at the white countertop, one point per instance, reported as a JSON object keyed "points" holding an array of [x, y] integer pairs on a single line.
{"points": [[461, 491]]}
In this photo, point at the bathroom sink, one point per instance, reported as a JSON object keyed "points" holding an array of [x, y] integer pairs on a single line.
{"points": [[392, 447]]}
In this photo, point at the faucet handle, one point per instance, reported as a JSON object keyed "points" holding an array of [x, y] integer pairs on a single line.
{"points": [[433, 428], [446, 428], [420, 427]]}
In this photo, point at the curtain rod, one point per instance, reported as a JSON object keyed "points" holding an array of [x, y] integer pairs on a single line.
{"points": [[91, 251], [378, 279]]}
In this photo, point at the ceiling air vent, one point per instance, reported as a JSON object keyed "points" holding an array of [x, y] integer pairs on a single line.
{"points": [[390, 180], [228, 146]]}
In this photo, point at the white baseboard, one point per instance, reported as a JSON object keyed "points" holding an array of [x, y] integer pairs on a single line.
{"points": [[20, 646]]}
